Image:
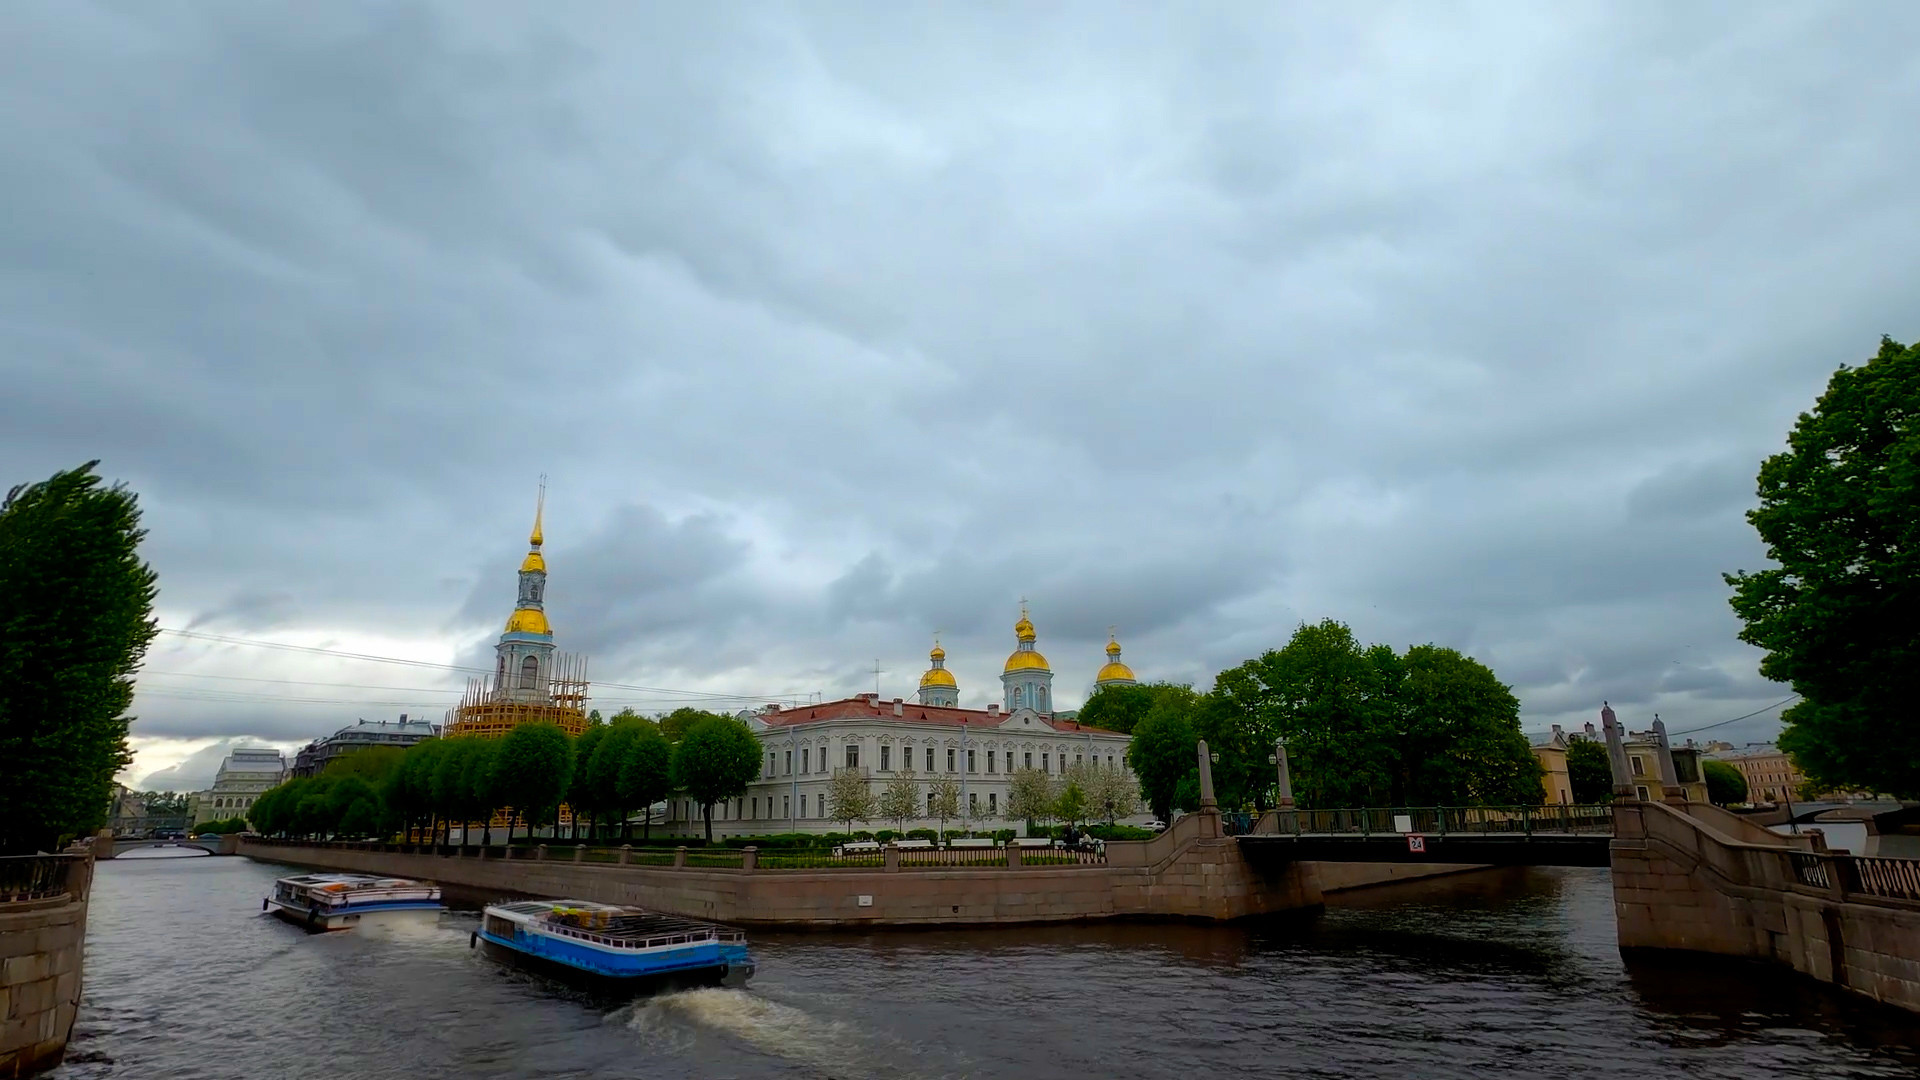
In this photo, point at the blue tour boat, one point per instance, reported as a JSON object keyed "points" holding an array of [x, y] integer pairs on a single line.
{"points": [[616, 943], [337, 901]]}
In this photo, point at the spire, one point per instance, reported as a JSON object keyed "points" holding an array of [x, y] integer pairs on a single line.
{"points": [[539, 511]]}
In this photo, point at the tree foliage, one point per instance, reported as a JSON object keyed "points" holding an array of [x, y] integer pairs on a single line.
{"points": [[75, 622], [646, 771], [899, 799], [1366, 726], [677, 723], [531, 773], [943, 800], [1725, 784], [1162, 754], [1030, 796], [1589, 772], [717, 757], [1838, 615], [849, 799]]}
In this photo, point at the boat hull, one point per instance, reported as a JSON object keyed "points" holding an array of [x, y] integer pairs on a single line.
{"points": [[322, 920], [708, 964]]}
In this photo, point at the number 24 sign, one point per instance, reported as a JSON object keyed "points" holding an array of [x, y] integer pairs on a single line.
{"points": [[1416, 843]]}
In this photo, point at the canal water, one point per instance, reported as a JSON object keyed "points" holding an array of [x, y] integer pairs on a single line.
{"points": [[1510, 973]]}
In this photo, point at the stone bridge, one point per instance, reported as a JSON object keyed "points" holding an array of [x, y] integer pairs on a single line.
{"points": [[105, 847]]}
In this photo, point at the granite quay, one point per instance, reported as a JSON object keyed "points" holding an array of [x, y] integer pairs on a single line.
{"points": [[43, 927]]}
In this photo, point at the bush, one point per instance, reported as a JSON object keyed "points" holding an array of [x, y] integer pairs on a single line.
{"points": [[1119, 832], [925, 834], [886, 835]]}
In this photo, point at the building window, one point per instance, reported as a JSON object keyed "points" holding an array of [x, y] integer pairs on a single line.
{"points": [[756, 806], [1028, 758], [529, 671], [786, 806], [1046, 765], [1639, 769], [789, 763], [886, 758], [973, 802], [993, 802], [950, 752], [970, 767], [823, 806], [1043, 699], [990, 754], [1642, 792], [929, 759], [770, 762], [1076, 759], [803, 762], [929, 804], [853, 755]]}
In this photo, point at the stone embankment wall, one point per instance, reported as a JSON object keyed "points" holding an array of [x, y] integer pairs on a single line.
{"points": [[1191, 871], [1701, 879], [42, 944]]}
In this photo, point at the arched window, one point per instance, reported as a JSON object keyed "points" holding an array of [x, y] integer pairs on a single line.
{"points": [[1043, 699], [529, 671], [500, 675]]}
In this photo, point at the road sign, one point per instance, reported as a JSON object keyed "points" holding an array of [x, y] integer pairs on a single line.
{"points": [[1416, 843]]}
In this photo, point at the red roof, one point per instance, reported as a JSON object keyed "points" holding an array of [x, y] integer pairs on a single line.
{"points": [[867, 707]]}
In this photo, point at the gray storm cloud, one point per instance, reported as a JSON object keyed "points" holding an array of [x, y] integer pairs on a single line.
{"points": [[836, 326]]}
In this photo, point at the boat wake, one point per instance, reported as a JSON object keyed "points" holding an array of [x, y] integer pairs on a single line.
{"points": [[671, 1021]]}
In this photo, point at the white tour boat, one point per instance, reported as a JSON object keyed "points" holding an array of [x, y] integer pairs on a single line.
{"points": [[337, 901]]}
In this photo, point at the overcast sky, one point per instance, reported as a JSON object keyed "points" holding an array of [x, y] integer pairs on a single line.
{"points": [[835, 325]]}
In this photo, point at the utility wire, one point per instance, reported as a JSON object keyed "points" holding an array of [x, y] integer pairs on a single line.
{"points": [[673, 694], [1737, 719]]}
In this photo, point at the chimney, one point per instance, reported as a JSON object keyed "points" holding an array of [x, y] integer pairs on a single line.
{"points": [[897, 701], [872, 699], [773, 706], [898, 709], [993, 709], [1557, 733]]}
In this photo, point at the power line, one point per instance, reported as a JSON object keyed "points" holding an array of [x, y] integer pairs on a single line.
{"points": [[670, 692], [1737, 719]]}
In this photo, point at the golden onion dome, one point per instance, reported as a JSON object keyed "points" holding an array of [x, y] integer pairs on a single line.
{"points": [[532, 562], [938, 653], [1024, 629], [1113, 650], [938, 677], [1025, 660], [528, 621], [1115, 671]]}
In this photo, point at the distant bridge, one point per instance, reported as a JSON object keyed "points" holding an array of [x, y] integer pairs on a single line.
{"points": [[1482, 835], [121, 846]]}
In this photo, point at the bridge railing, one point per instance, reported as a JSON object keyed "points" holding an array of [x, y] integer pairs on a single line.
{"points": [[36, 877], [1448, 820], [1854, 877]]}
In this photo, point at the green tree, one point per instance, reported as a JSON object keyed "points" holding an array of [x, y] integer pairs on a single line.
{"points": [[1589, 772], [451, 798], [75, 622], [480, 792], [677, 723], [409, 790], [1725, 785], [583, 798], [1454, 735], [1072, 805], [1116, 708], [849, 799], [646, 774], [900, 799], [943, 802], [531, 771], [1838, 615], [717, 758], [1162, 753], [1030, 796]]}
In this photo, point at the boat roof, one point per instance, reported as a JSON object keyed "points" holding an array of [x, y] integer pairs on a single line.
{"points": [[348, 881], [623, 922]]}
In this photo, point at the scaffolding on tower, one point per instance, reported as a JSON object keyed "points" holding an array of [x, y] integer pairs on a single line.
{"points": [[490, 711]]}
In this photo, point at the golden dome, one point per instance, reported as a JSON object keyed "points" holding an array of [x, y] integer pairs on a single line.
{"points": [[1113, 671], [1025, 660], [938, 677], [533, 561], [1113, 649], [938, 653], [528, 621], [1024, 629]]}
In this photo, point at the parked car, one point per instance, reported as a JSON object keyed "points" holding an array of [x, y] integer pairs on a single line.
{"points": [[1156, 826]]}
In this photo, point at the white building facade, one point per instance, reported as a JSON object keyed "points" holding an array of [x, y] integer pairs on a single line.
{"points": [[243, 777], [980, 749]]}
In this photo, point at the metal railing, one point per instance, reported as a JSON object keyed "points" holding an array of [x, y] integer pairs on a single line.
{"points": [[1810, 870], [1553, 818], [35, 877]]}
